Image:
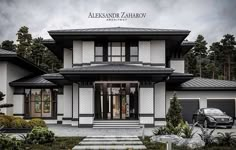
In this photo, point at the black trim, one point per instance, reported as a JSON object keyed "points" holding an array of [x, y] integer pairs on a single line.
{"points": [[159, 119], [148, 125], [59, 122], [146, 115], [66, 118], [18, 114], [85, 125], [14, 130], [75, 119], [60, 114], [86, 115], [44, 118]]}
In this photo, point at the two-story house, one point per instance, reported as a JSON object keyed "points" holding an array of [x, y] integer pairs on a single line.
{"points": [[119, 77]]}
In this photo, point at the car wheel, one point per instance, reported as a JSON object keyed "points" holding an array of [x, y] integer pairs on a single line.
{"points": [[205, 124]]}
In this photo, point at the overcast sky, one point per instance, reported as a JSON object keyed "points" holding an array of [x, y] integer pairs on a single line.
{"points": [[211, 18]]}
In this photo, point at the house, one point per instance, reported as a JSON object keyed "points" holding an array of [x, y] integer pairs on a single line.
{"points": [[113, 77]]}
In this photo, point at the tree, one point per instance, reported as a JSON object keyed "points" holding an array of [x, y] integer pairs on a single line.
{"points": [[38, 50], [8, 45], [4, 105], [191, 63], [24, 40], [200, 51], [228, 42], [173, 115]]}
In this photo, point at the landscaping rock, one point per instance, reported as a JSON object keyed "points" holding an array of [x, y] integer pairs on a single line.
{"points": [[192, 143], [173, 138]]}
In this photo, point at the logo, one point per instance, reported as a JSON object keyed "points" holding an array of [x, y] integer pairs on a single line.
{"points": [[121, 16]]}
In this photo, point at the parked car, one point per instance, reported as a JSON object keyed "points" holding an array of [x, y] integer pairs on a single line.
{"points": [[212, 117]]}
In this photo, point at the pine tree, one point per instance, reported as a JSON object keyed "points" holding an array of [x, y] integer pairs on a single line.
{"points": [[3, 105], [200, 51], [173, 115], [38, 50], [8, 45], [24, 40]]}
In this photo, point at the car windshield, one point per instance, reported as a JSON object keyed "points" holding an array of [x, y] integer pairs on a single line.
{"points": [[213, 112]]}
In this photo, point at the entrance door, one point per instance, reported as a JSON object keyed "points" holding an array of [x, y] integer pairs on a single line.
{"points": [[116, 101]]}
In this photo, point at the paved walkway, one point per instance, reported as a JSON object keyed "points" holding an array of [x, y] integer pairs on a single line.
{"points": [[67, 130], [110, 142]]}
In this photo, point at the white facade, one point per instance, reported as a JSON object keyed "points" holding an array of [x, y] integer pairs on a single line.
{"points": [[177, 65]]}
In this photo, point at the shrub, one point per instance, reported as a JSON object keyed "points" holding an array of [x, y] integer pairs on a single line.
{"points": [[9, 143], [206, 135], [161, 131], [4, 122], [19, 123], [39, 135], [174, 116], [37, 123], [188, 131], [226, 139]]}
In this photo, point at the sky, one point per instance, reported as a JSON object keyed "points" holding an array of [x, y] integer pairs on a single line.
{"points": [[211, 18]]}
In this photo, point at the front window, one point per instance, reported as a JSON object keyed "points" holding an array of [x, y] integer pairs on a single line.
{"points": [[39, 102], [116, 51]]}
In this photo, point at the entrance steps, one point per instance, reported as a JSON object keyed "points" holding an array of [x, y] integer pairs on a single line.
{"points": [[116, 124], [110, 142]]}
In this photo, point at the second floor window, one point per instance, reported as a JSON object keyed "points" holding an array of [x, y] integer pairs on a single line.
{"points": [[116, 51]]}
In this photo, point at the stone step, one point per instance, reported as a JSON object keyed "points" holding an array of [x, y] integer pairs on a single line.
{"points": [[111, 136], [108, 147], [111, 142], [117, 123], [111, 139], [116, 127]]}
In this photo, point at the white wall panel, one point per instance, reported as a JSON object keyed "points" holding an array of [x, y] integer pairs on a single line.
{"points": [[177, 65], [87, 51], [77, 52], [144, 51], [160, 98], [75, 100], [146, 120], [67, 101], [86, 101], [158, 54], [67, 61], [18, 102], [146, 101]]}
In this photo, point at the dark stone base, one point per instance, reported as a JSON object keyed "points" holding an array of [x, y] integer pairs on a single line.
{"points": [[13, 130]]}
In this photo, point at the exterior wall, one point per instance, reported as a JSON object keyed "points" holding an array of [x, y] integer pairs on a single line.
{"points": [[86, 106], [87, 51], [77, 52], [67, 58], [201, 95], [144, 51], [9, 73], [146, 112], [67, 115], [75, 105], [60, 107], [158, 51], [18, 102], [177, 65], [160, 103]]}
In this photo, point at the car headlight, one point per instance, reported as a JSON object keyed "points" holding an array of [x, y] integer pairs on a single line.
{"points": [[231, 119], [211, 119]]}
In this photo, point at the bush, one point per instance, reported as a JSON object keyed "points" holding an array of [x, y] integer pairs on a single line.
{"points": [[9, 143], [187, 131], [4, 122], [19, 123], [37, 123], [173, 115], [226, 139], [206, 135], [161, 131], [39, 135]]}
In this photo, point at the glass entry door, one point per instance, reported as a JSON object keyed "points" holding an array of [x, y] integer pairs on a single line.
{"points": [[116, 101]]}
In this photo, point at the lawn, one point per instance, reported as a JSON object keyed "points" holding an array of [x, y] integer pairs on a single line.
{"points": [[61, 143]]}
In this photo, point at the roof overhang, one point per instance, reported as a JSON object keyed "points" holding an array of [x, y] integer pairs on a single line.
{"points": [[56, 78]]}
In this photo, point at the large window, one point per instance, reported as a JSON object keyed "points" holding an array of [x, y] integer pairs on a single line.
{"points": [[40, 102], [116, 51]]}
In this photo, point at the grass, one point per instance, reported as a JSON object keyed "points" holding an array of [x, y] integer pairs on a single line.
{"points": [[61, 143]]}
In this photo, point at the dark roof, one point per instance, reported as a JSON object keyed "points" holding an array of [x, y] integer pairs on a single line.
{"points": [[207, 84], [6, 55], [36, 81], [119, 30], [116, 68]]}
